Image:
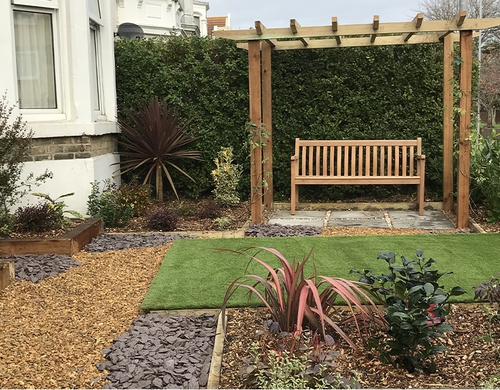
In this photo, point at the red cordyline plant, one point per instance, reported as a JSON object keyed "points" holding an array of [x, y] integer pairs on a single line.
{"points": [[294, 301], [154, 142]]}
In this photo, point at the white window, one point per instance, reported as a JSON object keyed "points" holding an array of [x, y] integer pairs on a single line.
{"points": [[35, 61], [95, 69], [95, 58]]}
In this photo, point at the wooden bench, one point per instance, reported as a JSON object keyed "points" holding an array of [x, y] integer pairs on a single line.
{"points": [[358, 162]]}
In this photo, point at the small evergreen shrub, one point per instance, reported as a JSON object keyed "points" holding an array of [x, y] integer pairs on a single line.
{"points": [[210, 210], [485, 172], [163, 219], [38, 218], [226, 177], [108, 205], [136, 195], [415, 310]]}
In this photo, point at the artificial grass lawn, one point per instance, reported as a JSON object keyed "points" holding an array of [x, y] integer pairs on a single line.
{"points": [[194, 275]]}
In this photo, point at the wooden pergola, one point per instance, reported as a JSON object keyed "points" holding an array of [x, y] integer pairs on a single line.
{"points": [[261, 41]]}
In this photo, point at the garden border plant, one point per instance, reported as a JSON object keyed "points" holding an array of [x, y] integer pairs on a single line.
{"points": [[415, 310]]}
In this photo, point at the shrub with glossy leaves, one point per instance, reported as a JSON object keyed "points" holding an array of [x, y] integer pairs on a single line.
{"points": [[415, 309], [296, 302], [163, 219], [108, 205]]}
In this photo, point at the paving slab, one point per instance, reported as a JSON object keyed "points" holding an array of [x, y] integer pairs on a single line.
{"points": [[285, 214], [295, 222], [422, 224], [358, 222], [356, 214], [429, 215]]}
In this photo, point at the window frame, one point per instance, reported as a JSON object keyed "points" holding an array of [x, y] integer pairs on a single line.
{"points": [[96, 68], [44, 113]]}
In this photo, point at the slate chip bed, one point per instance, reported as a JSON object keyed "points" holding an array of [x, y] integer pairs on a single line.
{"points": [[35, 268], [114, 242], [161, 351], [276, 230]]}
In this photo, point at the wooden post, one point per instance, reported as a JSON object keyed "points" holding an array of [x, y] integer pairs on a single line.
{"points": [[7, 273], [463, 179], [268, 123], [448, 123], [254, 87]]}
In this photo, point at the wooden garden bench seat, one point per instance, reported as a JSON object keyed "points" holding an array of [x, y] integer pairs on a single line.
{"points": [[358, 162]]}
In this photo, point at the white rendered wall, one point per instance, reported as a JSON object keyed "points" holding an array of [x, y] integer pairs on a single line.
{"points": [[70, 176]]}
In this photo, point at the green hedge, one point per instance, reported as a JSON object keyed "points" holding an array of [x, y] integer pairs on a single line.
{"points": [[392, 92]]}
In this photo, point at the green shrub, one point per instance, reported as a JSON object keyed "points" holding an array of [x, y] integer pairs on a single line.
{"points": [[108, 205], [415, 310], [137, 196], [38, 218], [15, 148], [163, 219], [485, 172], [226, 176]]}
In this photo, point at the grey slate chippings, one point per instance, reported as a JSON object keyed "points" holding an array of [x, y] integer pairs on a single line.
{"points": [[115, 242], [35, 268], [161, 351], [276, 230]]}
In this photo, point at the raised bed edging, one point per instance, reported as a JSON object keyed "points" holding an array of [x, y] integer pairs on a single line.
{"points": [[67, 244]]}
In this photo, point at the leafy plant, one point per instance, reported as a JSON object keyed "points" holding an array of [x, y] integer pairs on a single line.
{"points": [[293, 361], [155, 141], [488, 291], [15, 148], [222, 222], [294, 301], [485, 172], [493, 382], [41, 217], [60, 207], [163, 218], [415, 310], [108, 205], [226, 177], [138, 196], [210, 209]]}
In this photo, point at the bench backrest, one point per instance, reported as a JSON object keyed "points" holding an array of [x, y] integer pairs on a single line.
{"points": [[357, 157]]}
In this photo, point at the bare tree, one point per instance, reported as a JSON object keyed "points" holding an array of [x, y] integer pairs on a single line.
{"points": [[490, 84], [447, 9]]}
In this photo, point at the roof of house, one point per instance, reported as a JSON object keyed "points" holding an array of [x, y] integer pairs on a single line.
{"points": [[212, 21]]}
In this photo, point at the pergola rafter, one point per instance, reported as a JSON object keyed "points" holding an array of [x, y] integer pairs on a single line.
{"points": [[261, 41]]}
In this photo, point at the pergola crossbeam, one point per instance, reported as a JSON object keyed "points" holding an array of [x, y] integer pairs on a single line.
{"points": [[295, 27], [418, 23], [376, 23], [354, 42]]}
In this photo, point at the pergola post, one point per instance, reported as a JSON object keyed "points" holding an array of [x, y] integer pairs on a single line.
{"points": [[448, 52], [254, 86], [268, 124], [463, 179]]}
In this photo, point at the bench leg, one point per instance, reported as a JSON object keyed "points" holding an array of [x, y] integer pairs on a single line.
{"points": [[294, 199], [420, 196]]}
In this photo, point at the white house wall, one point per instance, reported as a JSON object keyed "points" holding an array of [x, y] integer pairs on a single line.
{"points": [[75, 117], [70, 176], [161, 17]]}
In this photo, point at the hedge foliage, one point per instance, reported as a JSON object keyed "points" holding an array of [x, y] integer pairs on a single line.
{"points": [[392, 92]]}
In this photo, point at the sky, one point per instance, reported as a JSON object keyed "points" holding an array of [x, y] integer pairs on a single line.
{"points": [[277, 13]]}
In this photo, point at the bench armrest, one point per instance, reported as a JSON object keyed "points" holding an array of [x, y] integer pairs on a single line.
{"points": [[293, 158], [421, 157]]}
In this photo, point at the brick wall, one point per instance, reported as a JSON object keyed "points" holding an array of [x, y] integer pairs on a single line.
{"points": [[70, 148]]}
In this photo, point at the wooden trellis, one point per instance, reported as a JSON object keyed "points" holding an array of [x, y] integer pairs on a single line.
{"points": [[261, 41]]}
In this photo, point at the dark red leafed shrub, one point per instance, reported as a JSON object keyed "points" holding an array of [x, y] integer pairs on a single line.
{"points": [[38, 218], [163, 218], [210, 210]]}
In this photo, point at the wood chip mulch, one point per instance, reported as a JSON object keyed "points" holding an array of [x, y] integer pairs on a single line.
{"points": [[52, 333]]}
